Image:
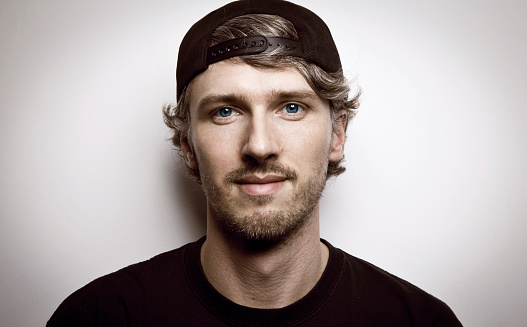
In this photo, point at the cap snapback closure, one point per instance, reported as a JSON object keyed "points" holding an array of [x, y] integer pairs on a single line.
{"points": [[250, 45]]}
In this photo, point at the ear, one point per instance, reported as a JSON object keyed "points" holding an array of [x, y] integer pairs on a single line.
{"points": [[188, 153], [338, 137]]}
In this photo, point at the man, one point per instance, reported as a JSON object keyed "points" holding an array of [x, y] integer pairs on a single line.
{"points": [[260, 122]]}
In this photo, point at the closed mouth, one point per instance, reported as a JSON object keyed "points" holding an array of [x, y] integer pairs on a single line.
{"points": [[255, 179], [255, 185]]}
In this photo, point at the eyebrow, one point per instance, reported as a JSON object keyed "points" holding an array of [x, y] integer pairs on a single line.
{"points": [[221, 98], [239, 98], [309, 95]]}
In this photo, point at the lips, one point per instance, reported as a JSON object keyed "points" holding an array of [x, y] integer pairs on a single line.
{"points": [[261, 185]]}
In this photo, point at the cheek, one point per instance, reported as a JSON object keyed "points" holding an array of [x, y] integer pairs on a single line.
{"points": [[309, 148], [214, 151]]}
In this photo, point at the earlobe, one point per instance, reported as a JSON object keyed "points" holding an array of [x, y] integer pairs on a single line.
{"points": [[338, 138], [188, 153]]}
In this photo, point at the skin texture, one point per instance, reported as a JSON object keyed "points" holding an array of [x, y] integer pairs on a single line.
{"points": [[261, 139]]}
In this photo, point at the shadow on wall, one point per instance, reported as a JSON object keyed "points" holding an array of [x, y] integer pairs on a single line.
{"points": [[190, 201]]}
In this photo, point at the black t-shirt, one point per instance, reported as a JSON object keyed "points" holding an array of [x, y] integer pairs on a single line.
{"points": [[172, 290]]}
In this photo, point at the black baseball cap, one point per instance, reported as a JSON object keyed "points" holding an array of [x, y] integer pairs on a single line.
{"points": [[315, 41]]}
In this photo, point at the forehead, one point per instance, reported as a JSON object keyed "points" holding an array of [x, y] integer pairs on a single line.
{"points": [[239, 79]]}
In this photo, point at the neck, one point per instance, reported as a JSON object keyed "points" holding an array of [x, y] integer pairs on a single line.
{"points": [[266, 275]]}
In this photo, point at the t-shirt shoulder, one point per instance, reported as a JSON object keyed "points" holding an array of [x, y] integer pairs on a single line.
{"points": [[372, 282], [119, 290]]}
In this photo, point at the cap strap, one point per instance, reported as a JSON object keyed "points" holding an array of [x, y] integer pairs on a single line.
{"points": [[253, 45]]}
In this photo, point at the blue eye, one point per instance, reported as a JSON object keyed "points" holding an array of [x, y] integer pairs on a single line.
{"points": [[225, 112], [292, 108]]}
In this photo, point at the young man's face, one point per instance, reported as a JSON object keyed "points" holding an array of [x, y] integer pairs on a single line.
{"points": [[261, 139]]}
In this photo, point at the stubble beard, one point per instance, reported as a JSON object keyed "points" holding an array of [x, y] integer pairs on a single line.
{"points": [[264, 224]]}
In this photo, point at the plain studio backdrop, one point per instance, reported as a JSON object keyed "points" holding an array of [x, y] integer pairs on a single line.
{"points": [[435, 190]]}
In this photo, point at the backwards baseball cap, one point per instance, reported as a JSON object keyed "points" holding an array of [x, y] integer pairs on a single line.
{"points": [[315, 42]]}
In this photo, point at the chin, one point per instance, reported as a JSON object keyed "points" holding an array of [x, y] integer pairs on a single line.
{"points": [[264, 226]]}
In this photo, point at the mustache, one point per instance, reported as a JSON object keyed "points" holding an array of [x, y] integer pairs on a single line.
{"points": [[237, 174]]}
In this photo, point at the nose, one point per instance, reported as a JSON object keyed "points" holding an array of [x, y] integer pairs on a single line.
{"points": [[261, 142]]}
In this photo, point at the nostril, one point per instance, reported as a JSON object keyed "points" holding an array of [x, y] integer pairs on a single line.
{"points": [[254, 161]]}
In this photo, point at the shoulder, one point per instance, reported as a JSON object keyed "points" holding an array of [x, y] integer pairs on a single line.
{"points": [[137, 275], [377, 293], [112, 299]]}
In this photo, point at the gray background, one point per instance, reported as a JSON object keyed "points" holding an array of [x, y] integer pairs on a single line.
{"points": [[435, 190]]}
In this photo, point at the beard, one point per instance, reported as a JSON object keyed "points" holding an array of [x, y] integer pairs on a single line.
{"points": [[264, 224]]}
